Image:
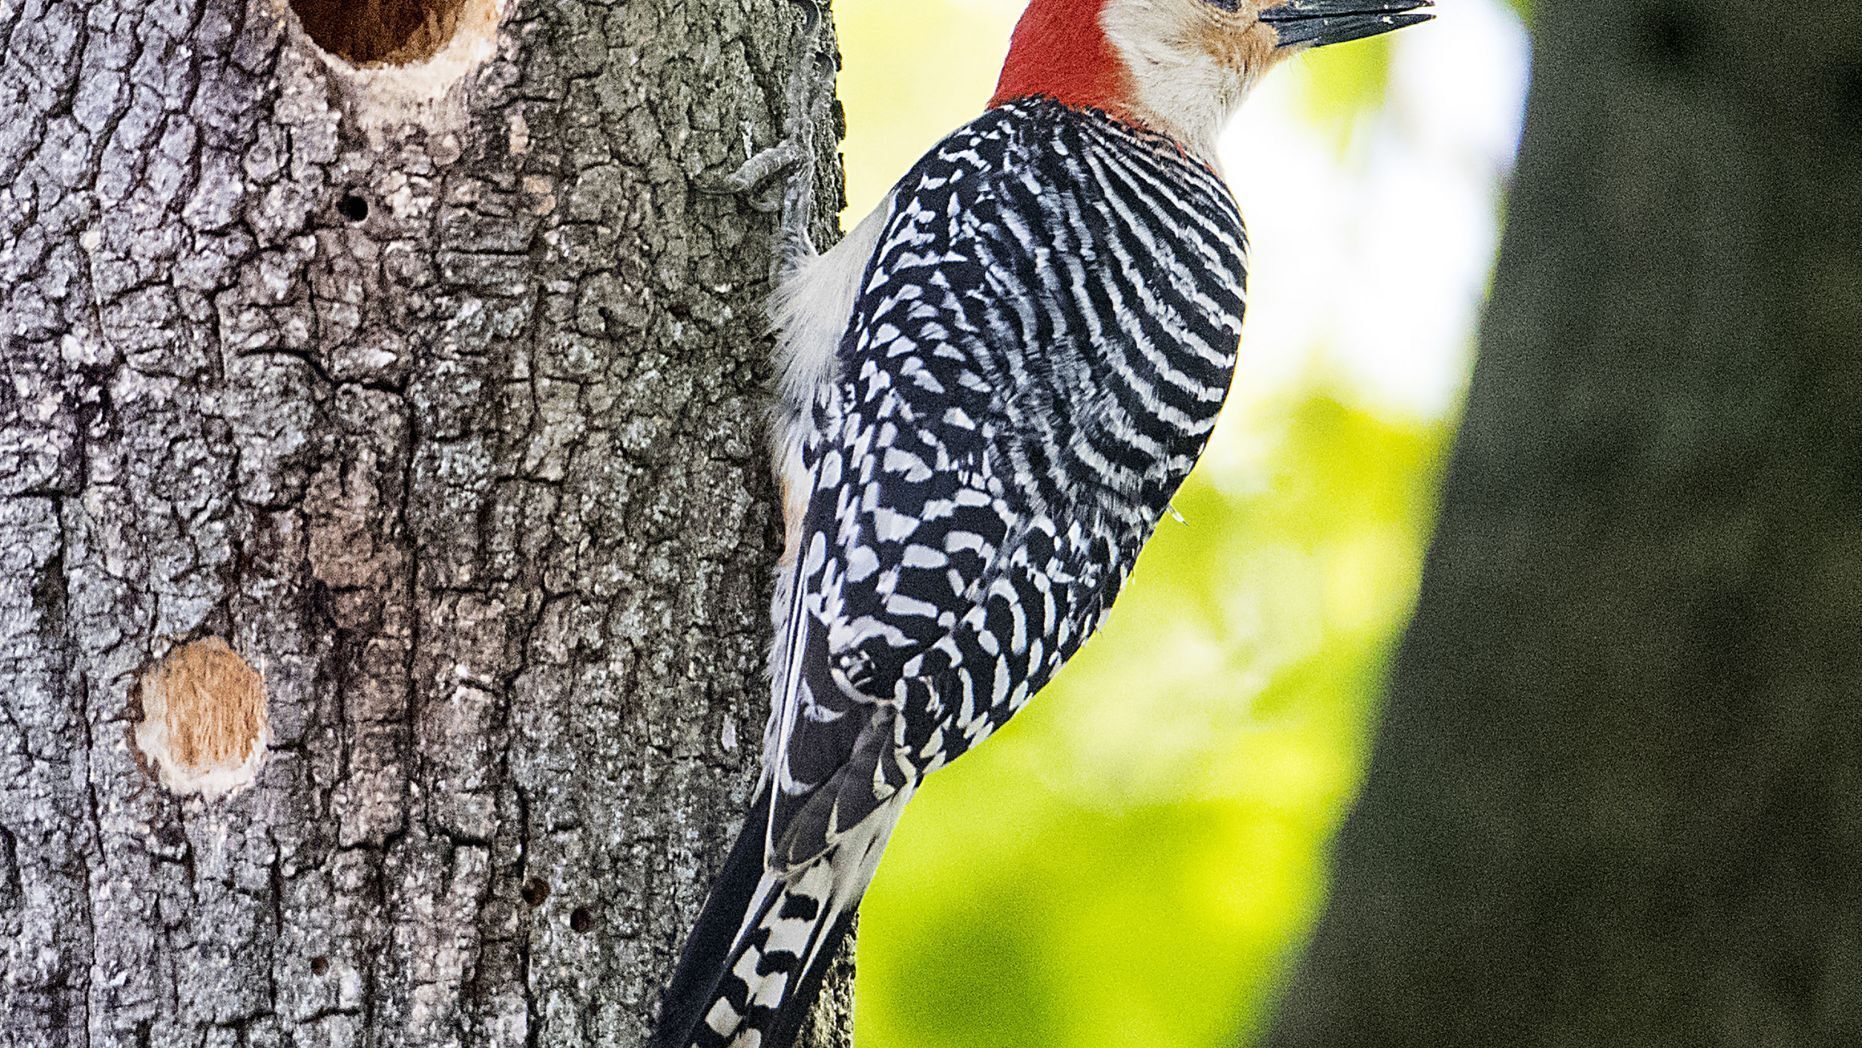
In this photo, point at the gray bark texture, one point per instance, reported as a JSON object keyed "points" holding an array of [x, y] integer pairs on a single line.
{"points": [[1617, 797], [436, 394]]}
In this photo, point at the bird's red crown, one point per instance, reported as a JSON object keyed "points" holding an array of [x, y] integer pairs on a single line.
{"points": [[1060, 49]]}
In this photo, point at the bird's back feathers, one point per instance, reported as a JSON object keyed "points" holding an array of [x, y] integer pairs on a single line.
{"points": [[1035, 354]]}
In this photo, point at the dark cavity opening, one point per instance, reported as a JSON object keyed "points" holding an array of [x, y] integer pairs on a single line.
{"points": [[582, 920], [352, 207], [535, 892], [319, 965], [380, 32], [1671, 34], [1849, 94]]}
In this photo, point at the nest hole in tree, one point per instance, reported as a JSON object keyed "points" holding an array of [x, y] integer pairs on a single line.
{"points": [[319, 965], [535, 892], [380, 32], [352, 207], [581, 920]]}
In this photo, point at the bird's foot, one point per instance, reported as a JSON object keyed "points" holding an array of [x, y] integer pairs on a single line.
{"points": [[794, 156], [758, 172]]}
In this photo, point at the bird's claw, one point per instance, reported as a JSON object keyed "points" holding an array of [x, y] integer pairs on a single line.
{"points": [[811, 16], [758, 172], [792, 157]]}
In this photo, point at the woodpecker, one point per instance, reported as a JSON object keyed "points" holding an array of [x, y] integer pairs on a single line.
{"points": [[991, 389]]}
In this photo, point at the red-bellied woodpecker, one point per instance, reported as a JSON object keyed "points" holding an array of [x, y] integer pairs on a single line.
{"points": [[991, 389]]}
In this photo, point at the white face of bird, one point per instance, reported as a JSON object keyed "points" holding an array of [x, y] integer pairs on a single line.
{"points": [[1191, 62]]}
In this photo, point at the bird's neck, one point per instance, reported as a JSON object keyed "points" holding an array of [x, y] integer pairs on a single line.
{"points": [[1060, 49], [1083, 52]]}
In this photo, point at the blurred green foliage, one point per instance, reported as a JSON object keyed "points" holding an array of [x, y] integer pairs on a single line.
{"points": [[1344, 86], [1130, 862]]}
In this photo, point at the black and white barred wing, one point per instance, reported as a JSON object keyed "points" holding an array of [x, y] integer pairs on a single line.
{"points": [[1034, 362], [1034, 358]]}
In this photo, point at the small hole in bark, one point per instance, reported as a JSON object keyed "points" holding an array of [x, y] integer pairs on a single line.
{"points": [[535, 892], [319, 965], [582, 920], [352, 207], [380, 32]]}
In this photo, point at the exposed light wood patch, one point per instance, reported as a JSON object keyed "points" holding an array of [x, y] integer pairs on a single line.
{"points": [[204, 725]]}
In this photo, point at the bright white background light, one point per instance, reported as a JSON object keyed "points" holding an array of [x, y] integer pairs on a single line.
{"points": [[1370, 267]]}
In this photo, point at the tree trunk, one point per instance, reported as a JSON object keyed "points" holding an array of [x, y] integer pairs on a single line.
{"points": [[395, 432], [1615, 798]]}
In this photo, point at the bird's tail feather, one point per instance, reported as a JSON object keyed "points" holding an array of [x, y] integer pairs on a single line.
{"points": [[708, 946], [753, 964]]}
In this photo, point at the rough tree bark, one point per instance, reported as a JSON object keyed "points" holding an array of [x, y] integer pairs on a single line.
{"points": [[1615, 800], [433, 392]]}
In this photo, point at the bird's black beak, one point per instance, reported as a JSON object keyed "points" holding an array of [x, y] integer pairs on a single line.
{"points": [[1322, 22]]}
